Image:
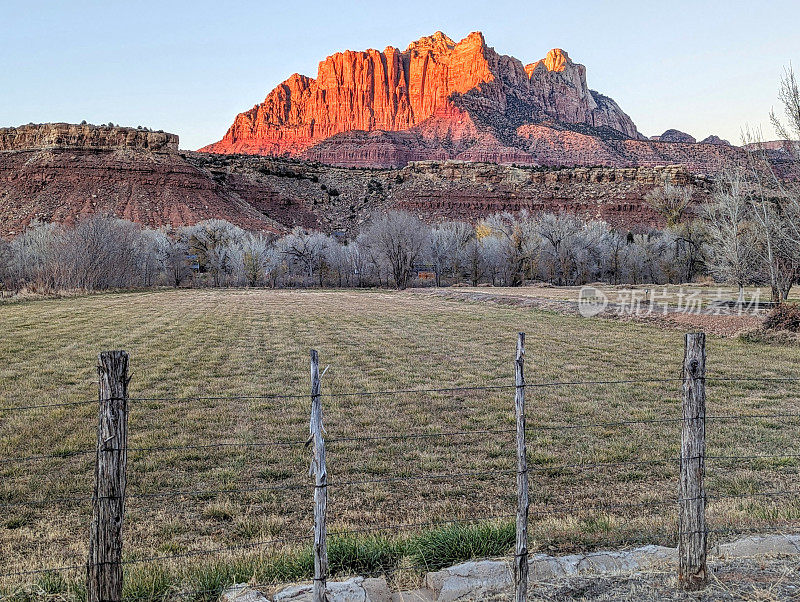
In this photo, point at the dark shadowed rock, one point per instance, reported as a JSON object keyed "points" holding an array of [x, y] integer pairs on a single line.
{"points": [[676, 136], [715, 140]]}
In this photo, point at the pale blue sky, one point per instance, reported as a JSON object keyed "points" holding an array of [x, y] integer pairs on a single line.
{"points": [[189, 67]]}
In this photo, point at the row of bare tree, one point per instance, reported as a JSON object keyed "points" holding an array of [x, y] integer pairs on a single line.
{"points": [[392, 250], [752, 223], [748, 233]]}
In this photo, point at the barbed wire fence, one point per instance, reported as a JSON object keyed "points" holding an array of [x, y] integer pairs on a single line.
{"points": [[105, 563]]}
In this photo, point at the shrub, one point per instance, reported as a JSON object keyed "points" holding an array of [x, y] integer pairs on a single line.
{"points": [[784, 317], [769, 337]]}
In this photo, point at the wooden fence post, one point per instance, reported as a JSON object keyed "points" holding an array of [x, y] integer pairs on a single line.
{"points": [[103, 567], [320, 474], [521, 555], [692, 573]]}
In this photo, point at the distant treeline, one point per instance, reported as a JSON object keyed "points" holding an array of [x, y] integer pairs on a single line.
{"points": [[748, 233], [395, 249]]}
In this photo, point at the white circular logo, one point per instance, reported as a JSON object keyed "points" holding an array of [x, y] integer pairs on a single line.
{"points": [[591, 301]]}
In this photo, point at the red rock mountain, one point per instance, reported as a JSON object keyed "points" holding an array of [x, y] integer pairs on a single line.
{"points": [[59, 172], [453, 100]]}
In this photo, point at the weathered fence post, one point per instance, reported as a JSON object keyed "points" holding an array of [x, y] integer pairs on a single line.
{"points": [[693, 536], [521, 555], [320, 474], [104, 568]]}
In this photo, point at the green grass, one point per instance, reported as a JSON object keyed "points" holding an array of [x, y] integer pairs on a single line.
{"points": [[219, 344], [368, 554]]}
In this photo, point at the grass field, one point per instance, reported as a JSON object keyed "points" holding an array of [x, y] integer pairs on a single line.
{"points": [[698, 295], [192, 350]]}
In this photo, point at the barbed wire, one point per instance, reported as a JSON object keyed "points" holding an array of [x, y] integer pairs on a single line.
{"points": [[302, 442], [258, 544], [432, 477], [174, 398], [47, 405], [492, 473], [406, 478], [744, 531], [179, 399], [411, 478], [56, 456], [407, 526], [752, 457], [227, 491], [163, 494], [588, 465], [599, 508], [50, 569], [780, 493], [420, 435], [568, 426], [181, 555], [724, 496], [752, 378], [749, 416]]}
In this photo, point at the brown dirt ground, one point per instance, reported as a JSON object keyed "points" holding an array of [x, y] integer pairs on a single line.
{"points": [[766, 579]]}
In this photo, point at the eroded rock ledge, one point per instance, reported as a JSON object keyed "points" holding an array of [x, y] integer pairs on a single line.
{"points": [[485, 579], [68, 135]]}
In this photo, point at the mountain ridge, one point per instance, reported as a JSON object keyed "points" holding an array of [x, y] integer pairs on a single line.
{"points": [[434, 78]]}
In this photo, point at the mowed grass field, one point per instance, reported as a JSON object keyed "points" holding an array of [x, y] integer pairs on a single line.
{"points": [[697, 296], [204, 363]]}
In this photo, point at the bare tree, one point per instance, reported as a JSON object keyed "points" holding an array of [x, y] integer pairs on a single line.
{"points": [[213, 243], [31, 257], [101, 252], [617, 244], [670, 202], [307, 250], [448, 241], [732, 234], [174, 252], [774, 191], [789, 96], [338, 261], [401, 240], [520, 242], [254, 250], [491, 249], [560, 234], [474, 260]]}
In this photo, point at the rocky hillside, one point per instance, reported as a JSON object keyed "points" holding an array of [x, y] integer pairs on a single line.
{"points": [[296, 192], [440, 100], [59, 173], [85, 136]]}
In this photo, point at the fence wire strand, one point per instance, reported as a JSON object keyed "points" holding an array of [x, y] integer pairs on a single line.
{"points": [[488, 387], [535, 510], [259, 544]]}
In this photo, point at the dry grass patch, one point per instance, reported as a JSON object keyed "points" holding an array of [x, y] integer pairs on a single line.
{"points": [[249, 343]]}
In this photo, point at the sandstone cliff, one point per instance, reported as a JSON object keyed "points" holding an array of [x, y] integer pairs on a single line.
{"points": [[55, 135], [61, 172], [474, 96], [533, 144]]}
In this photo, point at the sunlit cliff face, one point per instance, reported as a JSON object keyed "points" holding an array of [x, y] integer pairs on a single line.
{"points": [[397, 90], [556, 60]]}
